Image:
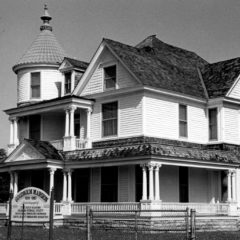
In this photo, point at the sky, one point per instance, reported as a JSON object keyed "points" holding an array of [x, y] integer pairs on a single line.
{"points": [[211, 28]]}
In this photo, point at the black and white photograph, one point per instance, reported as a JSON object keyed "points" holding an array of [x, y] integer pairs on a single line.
{"points": [[120, 120]]}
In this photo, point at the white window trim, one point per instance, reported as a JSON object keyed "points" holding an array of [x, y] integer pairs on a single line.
{"points": [[36, 98]]}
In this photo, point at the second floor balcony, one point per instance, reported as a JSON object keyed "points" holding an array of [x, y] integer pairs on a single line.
{"points": [[64, 122]]}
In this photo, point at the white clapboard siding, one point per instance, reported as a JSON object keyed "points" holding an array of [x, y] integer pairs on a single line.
{"points": [[95, 83], [161, 117], [95, 185], [231, 125], [50, 84], [53, 126], [23, 90], [129, 117], [197, 124], [235, 92], [123, 184]]}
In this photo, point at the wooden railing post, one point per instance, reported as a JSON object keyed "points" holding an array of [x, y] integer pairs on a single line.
{"points": [[193, 224]]}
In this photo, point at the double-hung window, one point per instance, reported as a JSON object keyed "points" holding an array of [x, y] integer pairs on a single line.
{"points": [[67, 83], [109, 119], [212, 115], [183, 131], [35, 85], [110, 76]]}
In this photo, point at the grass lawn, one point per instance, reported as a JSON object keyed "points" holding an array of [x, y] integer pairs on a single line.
{"points": [[61, 233]]}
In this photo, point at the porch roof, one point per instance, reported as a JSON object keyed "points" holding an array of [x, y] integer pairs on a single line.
{"points": [[52, 104], [185, 153]]}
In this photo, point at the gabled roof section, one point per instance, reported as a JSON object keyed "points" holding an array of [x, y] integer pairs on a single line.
{"points": [[33, 150], [160, 65], [77, 63], [219, 77], [46, 149]]}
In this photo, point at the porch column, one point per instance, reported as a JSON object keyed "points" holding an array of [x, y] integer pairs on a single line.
{"points": [[11, 131], [51, 185], [234, 185], [229, 197], [150, 169], [89, 112], [66, 122], [69, 173], [72, 110], [144, 185], [157, 186], [64, 197], [11, 181], [15, 131], [15, 188]]}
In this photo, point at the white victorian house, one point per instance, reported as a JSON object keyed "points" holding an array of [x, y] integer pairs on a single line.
{"points": [[150, 125]]}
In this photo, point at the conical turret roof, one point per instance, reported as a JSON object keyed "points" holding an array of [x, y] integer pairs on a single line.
{"points": [[45, 49]]}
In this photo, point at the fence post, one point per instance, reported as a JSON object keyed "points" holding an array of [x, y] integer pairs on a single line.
{"points": [[51, 214], [136, 233], [193, 222], [23, 209], [88, 222], [187, 223], [10, 216]]}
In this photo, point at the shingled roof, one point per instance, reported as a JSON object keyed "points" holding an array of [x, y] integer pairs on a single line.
{"points": [[160, 65], [219, 77], [149, 149], [45, 148], [77, 63]]}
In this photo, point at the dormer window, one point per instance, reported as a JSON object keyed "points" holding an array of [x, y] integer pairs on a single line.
{"points": [[110, 76], [35, 85], [212, 115], [67, 83]]}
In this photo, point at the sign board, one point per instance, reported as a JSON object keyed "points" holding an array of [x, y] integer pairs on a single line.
{"points": [[36, 204]]}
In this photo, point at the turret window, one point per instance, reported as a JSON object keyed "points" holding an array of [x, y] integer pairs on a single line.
{"points": [[68, 82], [35, 85], [212, 114]]}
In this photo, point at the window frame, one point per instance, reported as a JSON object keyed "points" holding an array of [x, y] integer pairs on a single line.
{"points": [[69, 84], [183, 121], [110, 119], [210, 125], [35, 86], [104, 77]]}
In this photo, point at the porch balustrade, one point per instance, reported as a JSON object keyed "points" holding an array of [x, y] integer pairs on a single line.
{"points": [[78, 208], [58, 208], [80, 144], [201, 208]]}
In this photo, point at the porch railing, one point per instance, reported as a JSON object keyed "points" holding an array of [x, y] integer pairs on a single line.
{"points": [[201, 208], [58, 208], [81, 143], [78, 208], [58, 144]]}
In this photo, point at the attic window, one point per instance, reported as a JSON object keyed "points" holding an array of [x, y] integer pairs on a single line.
{"points": [[67, 82], [110, 76]]}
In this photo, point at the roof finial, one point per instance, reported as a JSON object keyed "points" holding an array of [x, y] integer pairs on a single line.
{"points": [[46, 19]]}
